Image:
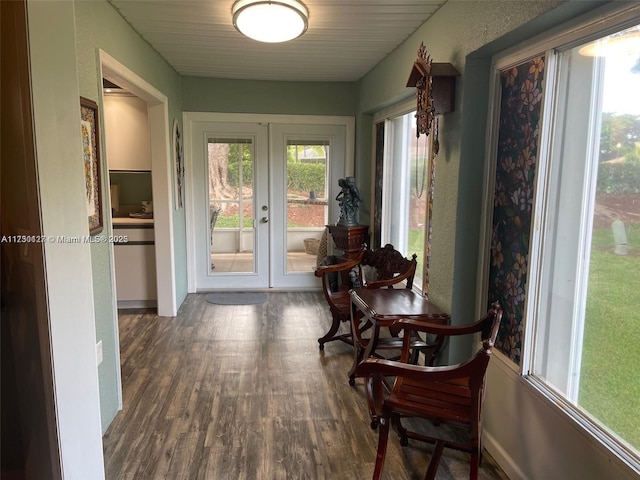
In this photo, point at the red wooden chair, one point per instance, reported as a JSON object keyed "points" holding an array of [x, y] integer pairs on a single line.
{"points": [[445, 395], [384, 267]]}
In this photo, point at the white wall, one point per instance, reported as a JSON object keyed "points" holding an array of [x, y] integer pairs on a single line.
{"points": [[69, 282]]}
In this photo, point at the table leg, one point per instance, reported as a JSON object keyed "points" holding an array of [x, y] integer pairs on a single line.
{"points": [[433, 350], [358, 355]]}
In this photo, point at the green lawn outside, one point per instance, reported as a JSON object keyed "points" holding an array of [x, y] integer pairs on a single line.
{"points": [[610, 378], [416, 245], [233, 221]]}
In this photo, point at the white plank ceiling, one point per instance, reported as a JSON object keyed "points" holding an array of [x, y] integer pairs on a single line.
{"points": [[345, 39]]}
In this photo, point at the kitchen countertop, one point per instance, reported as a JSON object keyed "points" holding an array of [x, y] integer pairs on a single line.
{"points": [[127, 221]]}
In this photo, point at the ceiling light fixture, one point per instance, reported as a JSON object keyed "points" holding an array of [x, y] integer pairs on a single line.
{"points": [[270, 21]]}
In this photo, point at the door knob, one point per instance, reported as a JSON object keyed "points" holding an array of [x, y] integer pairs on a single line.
{"points": [[264, 219]]}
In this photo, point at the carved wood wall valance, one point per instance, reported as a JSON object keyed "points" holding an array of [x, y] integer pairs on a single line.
{"points": [[422, 79], [435, 85]]}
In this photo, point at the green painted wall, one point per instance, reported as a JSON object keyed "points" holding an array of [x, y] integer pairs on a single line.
{"points": [[99, 26], [252, 96], [134, 186]]}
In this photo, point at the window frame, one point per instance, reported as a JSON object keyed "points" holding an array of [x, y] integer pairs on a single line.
{"points": [[598, 23], [388, 116]]}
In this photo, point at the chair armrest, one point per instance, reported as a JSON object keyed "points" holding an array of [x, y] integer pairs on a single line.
{"points": [[379, 367], [338, 267], [385, 283], [435, 329]]}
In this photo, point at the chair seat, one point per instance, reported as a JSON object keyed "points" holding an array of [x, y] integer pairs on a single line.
{"points": [[448, 401], [341, 303], [444, 395]]}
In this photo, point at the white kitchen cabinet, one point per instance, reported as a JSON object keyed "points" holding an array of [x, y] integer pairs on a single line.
{"points": [[126, 125], [135, 264]]}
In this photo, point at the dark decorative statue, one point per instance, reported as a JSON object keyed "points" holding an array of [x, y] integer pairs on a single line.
{"points": [[349, 200]]}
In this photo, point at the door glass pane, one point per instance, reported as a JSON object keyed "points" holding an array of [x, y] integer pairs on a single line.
{"points": [[307, 210], [231, 205]]}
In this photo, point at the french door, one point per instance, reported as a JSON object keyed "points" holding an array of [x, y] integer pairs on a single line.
{"points": [[261, 194]]}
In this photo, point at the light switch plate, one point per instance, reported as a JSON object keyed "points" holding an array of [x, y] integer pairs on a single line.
{"points": [[99, 352]]}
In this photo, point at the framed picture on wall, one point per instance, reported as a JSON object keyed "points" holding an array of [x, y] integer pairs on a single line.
{"points": [[91, 161], [179, 164]]}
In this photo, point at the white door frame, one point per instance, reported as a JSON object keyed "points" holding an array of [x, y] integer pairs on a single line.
{"points": [[189, 118], [161, 182]]}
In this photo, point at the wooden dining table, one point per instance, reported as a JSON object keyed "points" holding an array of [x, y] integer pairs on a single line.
{"points": [[375, 311]]}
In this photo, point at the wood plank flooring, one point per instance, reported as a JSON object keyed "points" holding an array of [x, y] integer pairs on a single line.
{"points": [[225, 392]]}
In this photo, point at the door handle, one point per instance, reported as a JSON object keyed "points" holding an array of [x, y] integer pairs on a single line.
{"points": [[264, 220]]}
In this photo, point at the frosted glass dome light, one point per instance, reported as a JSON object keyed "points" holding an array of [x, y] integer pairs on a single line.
{"points": [[271, 21]]}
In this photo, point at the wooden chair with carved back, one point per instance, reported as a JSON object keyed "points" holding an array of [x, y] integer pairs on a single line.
{"points": [[445, 395], [384, 267]]}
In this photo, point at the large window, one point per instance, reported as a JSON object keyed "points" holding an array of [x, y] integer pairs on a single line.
{"points": [[587, 339], [405, 186], [572, 286]]}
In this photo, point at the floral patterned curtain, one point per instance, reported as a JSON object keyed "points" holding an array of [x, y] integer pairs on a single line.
{"points": [[522, 88], [376, 234]]}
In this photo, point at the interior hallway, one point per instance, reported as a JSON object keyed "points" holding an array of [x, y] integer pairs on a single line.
{"points": [[242, 392]]}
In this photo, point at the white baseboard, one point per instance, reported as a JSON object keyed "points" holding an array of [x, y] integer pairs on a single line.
{"points": [[126, 304], [502, 458]]}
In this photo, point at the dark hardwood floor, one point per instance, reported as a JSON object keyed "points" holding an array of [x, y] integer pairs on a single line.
{"points": [[242, 392]]}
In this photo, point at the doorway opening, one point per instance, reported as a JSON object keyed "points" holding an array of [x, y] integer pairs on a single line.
{"points": [[158, 114]]}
